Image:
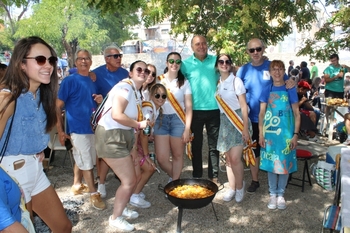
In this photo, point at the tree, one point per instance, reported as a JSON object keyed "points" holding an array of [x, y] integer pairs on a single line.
{"points": [[227, 24], [325, 41], [10, 19]]}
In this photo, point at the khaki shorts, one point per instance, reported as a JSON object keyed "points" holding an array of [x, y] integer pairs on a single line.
{"points": [[84, 151], [114, 143]]}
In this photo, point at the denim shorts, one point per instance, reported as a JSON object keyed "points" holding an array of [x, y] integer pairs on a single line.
{"points": [[169, 124]]}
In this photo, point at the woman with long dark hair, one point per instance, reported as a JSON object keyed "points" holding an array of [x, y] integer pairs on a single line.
{"points": [[172, 131], [28, 93]]}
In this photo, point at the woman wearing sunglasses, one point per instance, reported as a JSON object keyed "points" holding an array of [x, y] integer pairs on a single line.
{"points": [[231, 99], [151, 110], [150, 81], [115, 139], [172, 131], [28, 93]]}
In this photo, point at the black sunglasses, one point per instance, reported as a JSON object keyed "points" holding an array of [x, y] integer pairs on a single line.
{"points": [[157, 96], [41, 60], [115, 56], [222, 62], [153, 74], [139, 70], [172, 61], [252, 50]]}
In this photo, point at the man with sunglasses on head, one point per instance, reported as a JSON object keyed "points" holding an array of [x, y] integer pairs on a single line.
{"points": [[107, 76], [200, 71], [255, 76]]}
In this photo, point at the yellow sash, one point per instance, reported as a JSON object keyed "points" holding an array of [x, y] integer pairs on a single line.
{"points": [[237, 122], [139, 110], [179, 112]]}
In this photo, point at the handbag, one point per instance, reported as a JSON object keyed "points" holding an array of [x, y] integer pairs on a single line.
{"points": [[324, 174], [25, 216]]}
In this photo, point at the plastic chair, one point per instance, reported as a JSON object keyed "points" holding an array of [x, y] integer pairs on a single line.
{"points": [[332, 217], [303, 155], [55, 145]]}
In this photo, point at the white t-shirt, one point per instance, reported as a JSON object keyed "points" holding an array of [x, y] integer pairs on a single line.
{"points": [[229, 89], [145, 95], [126, 91], [179, 94]]}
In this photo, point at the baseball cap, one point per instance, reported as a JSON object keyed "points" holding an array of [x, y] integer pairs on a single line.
{"points": [[304, 84]]}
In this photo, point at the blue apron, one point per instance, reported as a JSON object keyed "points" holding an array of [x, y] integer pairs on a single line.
{"points": [[278, 130]]}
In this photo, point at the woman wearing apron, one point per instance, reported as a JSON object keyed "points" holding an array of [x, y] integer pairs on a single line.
{"points": [[279, 122]]}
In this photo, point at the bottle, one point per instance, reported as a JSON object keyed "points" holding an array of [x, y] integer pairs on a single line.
{"points": [[147, 130]]}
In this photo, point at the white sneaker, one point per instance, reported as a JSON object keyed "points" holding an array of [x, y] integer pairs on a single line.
{"points": [[137, 201], [131, 214], [120, 223], [170, 179], [229, 194], [102, 190], [273, 203], [281, 203], [142, 195], [240, 193]]}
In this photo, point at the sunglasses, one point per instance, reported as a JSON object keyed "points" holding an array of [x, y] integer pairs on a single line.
{"points": [[222, 62], [41, 60], [153, 74], [172, 61], [157, 96], [139, 70], [115, 56], [252, 50]]}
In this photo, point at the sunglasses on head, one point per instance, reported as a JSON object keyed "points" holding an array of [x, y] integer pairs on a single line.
{"points": [[172, 61], [139, 70], [41, 60], [222, 62], [157, 96], [252, 50], [115, 56]]}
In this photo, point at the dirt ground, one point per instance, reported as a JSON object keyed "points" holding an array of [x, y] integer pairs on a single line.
{"points": [[304, 211]]}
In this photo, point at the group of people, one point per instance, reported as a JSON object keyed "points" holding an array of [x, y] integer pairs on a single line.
{"points": [[201, 91]]}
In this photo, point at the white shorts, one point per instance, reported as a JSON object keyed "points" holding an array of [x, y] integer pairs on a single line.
{"points": [[84, 151], [31, 176]]}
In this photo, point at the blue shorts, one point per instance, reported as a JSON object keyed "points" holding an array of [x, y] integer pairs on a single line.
{"points": [[169, 124]]}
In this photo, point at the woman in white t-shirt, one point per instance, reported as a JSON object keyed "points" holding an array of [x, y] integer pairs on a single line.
{"points": [[171, 133], [231, 140], [151, 110], [115, 139]]}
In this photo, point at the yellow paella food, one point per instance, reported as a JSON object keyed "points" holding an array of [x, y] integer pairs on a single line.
{"points": [[337, 101], [191, 192]]}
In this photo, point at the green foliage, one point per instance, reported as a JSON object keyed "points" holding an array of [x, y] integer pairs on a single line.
{"points": [[325, 43], [230, 24]]}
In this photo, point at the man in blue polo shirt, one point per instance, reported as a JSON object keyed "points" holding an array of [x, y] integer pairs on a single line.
{"points": [[200, 72], [107, 76]]}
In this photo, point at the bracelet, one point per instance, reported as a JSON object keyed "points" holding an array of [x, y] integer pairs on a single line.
{"points": [[296, 133]]}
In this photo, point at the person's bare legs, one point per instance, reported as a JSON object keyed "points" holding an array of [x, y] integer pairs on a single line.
{"points": [[49, 208], [147, 171], [89, 179], [177, 151], [234, 156], [230, 175], [103, 171], [78, 175], [254, 170], [162, 149], [124, 169]]}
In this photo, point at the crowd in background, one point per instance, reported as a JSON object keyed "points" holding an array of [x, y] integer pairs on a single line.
{"points": [[250, 106]]}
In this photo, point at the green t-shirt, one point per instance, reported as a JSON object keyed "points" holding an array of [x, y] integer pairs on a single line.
{"points": [[338, 84], [314, 72], [203, 78]]}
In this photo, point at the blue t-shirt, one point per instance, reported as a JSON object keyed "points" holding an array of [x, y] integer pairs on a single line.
{"points": [[255, 78], [203, 79], [106, 79], [76, 92], [10, 200], [292, 93]]}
